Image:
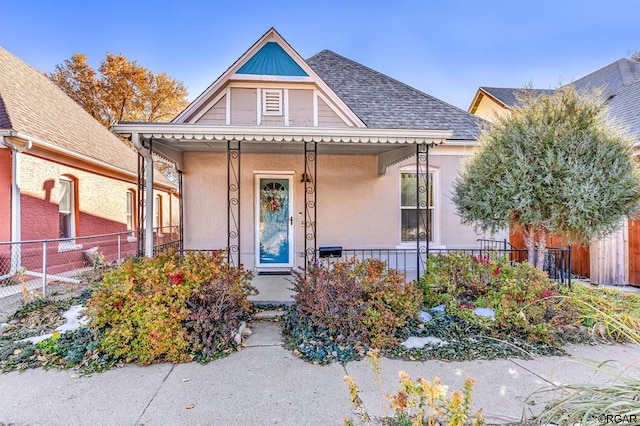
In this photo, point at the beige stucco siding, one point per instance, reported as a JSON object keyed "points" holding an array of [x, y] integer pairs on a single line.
{"points": [[356, 207], [326, 116], [243, 106], [300, 108], [489, 109], [217, 115]]}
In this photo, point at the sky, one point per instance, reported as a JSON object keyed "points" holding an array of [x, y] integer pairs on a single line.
{"points": [[446, 48]]}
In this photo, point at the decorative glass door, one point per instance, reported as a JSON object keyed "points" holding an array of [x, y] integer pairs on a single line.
{"points": [[274, 222]]}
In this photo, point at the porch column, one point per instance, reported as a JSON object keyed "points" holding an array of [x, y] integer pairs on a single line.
{"points": [[145, 195], [423, 222], [310, 199], [233, 202], [180, 212]]}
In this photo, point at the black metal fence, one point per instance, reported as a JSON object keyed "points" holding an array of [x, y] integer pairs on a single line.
{"points": [[557, 260]]}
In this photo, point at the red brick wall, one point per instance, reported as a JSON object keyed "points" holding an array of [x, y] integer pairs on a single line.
{"points": [[5, 194]]}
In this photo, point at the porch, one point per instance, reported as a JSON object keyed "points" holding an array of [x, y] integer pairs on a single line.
{"points": [[222, 172]]}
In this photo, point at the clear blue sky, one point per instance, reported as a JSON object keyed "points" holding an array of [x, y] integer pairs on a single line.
{"points": [[446, 48]]}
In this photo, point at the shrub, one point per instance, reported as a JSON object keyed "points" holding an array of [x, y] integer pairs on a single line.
{"points": [[351, 303], [524, 299], [140, 309], [217, 307]]}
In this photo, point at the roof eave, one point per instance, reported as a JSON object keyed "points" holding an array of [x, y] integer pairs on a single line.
{"points": [[284, 134]]}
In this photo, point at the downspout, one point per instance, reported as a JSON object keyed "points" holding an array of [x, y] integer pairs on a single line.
{"points": [[148, 169], [17, 146]]}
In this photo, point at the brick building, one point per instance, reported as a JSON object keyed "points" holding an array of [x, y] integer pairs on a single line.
{"points": [[63, 174]]}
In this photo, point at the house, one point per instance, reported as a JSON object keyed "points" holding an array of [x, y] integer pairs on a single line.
{"points": [[615, 259], [284, 158], [63, 175]]}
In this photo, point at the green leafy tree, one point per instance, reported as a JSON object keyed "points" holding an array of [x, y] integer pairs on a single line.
{"points": [[555, 165], [121, 90]]}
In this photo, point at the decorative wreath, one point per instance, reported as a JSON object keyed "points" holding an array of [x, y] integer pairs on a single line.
{"points": [[273, 196]]}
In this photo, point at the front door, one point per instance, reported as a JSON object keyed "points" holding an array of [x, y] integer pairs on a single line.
{"points": [[274, 217]]}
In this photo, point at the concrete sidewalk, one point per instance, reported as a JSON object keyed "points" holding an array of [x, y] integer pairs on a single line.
{"points": [[265, 384]]}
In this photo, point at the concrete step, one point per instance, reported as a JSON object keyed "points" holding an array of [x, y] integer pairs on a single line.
{"points": [[268, 315]]}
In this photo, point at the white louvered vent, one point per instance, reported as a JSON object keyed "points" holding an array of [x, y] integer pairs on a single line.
{"points": [[271, 102]]}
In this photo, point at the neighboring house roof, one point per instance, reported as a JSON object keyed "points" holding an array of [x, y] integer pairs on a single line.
{"points": [[610, 78], [508, 97], [620, 85], [383, 102], [32, 104]]}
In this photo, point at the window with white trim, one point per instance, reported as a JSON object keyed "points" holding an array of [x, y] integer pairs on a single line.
{"points": [[410, 223], [271, 102], [67, 208], [157, 212], [131, 220]]}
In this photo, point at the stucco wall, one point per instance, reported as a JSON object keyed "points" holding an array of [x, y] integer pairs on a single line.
{"points": [[489, 109], [356, 207], [101, 200]]}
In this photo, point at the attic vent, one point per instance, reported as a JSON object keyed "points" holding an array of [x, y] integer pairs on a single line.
{"points": [[271, 102]]}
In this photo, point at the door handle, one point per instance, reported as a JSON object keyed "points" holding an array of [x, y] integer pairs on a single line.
{"points": [[291, 220]]}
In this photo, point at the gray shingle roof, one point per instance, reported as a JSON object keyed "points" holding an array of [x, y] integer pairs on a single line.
{"points": [[611, 78], [382, 102], [508, 96], [30, 103], [620, 85]]}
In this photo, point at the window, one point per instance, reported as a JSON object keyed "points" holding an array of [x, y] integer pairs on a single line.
{"points": [[157, 212], [131, 210], [67, 208], [411, 225], [271, 102]]}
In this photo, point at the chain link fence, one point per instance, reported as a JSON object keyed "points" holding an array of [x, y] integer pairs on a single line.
{"points": [[33, 269]]}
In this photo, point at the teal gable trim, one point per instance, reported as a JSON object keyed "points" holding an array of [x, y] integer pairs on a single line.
{"points": [[271, 59]]}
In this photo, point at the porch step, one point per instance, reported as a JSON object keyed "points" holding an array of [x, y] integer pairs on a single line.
{"points": [[268, 315]]}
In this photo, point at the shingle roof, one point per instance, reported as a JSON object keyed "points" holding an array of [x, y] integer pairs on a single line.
{"points": [[624, 109], [611, 78], [620, 85], [382, 102], [508, 96], [30, 103]]}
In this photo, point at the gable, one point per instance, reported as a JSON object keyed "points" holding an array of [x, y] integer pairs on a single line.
{"points": [[271, 59], [284, 90]]}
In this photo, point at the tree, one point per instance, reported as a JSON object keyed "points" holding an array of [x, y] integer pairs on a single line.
{"points": [[122, 91], [554, 165], [635, 56]]}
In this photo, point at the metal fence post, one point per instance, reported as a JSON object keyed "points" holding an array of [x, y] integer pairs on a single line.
{"points": [[44, 269], [119, 249]]}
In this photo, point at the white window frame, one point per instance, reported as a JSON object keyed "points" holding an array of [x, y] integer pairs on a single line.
{"points": [[71, 212], [130, 211], [265, 94], [157, 214], [435, 208]]}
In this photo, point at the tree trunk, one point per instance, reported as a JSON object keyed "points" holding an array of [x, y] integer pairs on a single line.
{"points": [[530, 243], [542, 248]]}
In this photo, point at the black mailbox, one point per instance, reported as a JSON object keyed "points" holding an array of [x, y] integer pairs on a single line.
{"points": [[330, 251]]}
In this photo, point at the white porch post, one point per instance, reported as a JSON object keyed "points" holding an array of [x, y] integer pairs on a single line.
{"points": [[148, 219], [148, 171]]}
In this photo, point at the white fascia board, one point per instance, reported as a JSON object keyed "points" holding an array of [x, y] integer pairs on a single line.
{"points": [[285, 134]]}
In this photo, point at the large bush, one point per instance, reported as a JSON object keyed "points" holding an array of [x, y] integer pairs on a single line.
{"points": [[349, 304], [153, 310], [524, 300]]}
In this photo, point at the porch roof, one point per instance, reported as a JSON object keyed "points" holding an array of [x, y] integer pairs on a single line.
{"points": [[170, 140]]}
